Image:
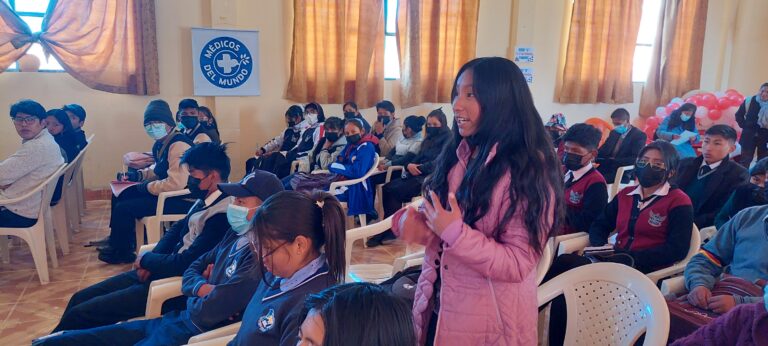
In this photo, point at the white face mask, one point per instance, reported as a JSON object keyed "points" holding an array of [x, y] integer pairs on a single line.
{"points": [[156, 131], [311, 118]]}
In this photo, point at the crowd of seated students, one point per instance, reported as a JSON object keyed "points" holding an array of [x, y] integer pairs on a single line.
{"points": [[273, 259]]}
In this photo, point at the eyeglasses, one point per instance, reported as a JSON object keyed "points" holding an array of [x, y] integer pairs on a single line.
{"points": [[642, 163], [266, 250], [25, 120]]}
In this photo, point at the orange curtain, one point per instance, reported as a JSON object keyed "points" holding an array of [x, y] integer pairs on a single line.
{"points": [[600, 50], [677, 53], [14, 34], [338, 52], [108, 45], [434, 38]]}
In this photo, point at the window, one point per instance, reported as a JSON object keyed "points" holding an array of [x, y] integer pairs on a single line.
{"points": [[649, 24], [32, 12], [391, 58]]}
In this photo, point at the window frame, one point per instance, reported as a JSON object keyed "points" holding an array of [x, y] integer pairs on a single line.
{"points": [[389, 34], [15, 66]]}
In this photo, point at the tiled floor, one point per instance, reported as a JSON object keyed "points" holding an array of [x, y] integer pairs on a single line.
{"points": [[29, 310]]}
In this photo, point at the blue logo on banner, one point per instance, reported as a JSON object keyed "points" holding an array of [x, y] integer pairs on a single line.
{"points": [[226, 62]]}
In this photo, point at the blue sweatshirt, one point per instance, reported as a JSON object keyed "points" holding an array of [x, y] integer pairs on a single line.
{"points": [[741, 244], [236, 276], [272, 316]]}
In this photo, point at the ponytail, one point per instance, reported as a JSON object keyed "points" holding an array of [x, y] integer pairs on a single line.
{"points": [[334, 231]]}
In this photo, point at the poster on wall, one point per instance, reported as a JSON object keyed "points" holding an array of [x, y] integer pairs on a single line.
{"points": [[528, 74], [524, 54], [225, 62]]}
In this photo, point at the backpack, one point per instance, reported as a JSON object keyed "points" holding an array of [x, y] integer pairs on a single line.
{"points": [[403, 284]]}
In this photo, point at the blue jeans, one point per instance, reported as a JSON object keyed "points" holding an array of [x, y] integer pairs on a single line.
{"points": [[167, 330]]}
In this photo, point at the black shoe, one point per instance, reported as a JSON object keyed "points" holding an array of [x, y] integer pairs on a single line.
{"points": [[382, 238], [105, 249], [99, 243], [117, 257], [388, 237], [374, 241]]}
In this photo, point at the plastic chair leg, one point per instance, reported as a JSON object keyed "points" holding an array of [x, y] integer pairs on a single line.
{"points": [[5, 255], [60, 226], [140, 233], [50, 241], [36, 242]]}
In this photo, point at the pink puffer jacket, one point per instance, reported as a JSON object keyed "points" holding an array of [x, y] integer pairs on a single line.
{"points": [[488, 288]]}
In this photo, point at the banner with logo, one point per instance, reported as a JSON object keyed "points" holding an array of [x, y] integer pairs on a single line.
{"points": [[225, 62]]}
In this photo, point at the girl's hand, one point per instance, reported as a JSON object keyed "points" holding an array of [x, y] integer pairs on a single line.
{"points": [[439, 218], [413, 227], [413, 169]]}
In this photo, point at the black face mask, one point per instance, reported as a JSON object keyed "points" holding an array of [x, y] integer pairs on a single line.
{"points": [[354, 139], [384, 120], [349, 115], [193, 184], [648, 176], [291, 123], [555, 135], [572, 161], [332, 136], [189, 122], [433, 131]]}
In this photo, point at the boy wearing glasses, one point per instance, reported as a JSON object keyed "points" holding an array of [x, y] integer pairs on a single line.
{"points": [[711, 178], [38, 158]]}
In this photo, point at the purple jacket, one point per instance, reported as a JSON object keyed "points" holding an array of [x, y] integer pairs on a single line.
{"points": [[488, 288], [746, 324]]}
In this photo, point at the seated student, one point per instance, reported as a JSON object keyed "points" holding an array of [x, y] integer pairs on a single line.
{"points": [[59, 125], [140, 200], [354, 162], [312, 131], [403, 189], [76, 115], [33, 163], [653, 221], [556, 127], [270, 154], [740, 246], [217, 286], [206, 118], [678, 122], [746, 324], [188, 116], [323, 155], [352, 112], [621, 147], [124, 296], [387, 128], [747, 195], [301, 242], [408, 146], [586, 194], [711, 178], [356, 314]]}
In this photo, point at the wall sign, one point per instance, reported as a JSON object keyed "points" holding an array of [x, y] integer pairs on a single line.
{"points": [[225, 62]]}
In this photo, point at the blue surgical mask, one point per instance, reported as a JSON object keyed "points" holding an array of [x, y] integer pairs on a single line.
{"points": [[156, 131], [765, 297], [621, 129], [238, 218], [684, 117]]}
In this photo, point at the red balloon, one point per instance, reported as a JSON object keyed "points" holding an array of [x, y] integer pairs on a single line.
{"points": [[670, 109], [715, 114], [708, 100], [691, 99], [732, 91], [736, 100], [652, 122], [723, 103]]}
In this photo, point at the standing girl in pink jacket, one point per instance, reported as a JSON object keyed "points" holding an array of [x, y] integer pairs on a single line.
{"points": [[492, 208]]}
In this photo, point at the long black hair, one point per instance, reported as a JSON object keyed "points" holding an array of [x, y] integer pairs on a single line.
{"points": [[511, 124], [361, 314], [319, 217], [675, 120]]}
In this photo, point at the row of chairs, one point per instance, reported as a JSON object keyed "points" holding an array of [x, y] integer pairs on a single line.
{"points": [[52, 222]]}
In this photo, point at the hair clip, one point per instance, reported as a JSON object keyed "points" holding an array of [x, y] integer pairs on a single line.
{"points": [[320, 204]]}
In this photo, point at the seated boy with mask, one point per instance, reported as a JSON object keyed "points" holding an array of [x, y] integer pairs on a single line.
{"points": [[586, 194], [217, 286]]}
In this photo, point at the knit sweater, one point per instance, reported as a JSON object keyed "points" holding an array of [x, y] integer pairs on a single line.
{"points": [[738, 245], [392, 133], [27, 168], [744, 325]]}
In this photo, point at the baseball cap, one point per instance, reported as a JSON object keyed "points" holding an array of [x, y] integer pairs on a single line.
{"points": [[259, 184]]}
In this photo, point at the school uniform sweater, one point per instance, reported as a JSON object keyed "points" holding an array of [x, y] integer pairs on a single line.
{"points": [[586, 196], [167, 174], [27, 168], [353, 163], [272, 316], [709, 191], [326, 156], [201, 229], [656, 232], [284, 142], [740, 245], [235, 275]]}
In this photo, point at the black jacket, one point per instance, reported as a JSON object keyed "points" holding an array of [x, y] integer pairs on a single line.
{"points": [[722, 182], [626, 156], [430, 149], [748, 120]]}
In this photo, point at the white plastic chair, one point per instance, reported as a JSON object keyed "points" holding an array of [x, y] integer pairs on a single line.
{"points": [[707, 233], [154, 223], [378, 203], [65, 213], [609, 304], [344, 183], [79, 202], [216, 337], [547, 257], [41, 232], [614, 188], [673, 286]]}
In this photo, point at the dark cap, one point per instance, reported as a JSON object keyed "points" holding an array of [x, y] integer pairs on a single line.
{"points": [[259, 184]]}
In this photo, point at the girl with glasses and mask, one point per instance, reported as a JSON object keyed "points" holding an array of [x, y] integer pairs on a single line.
{"points": [[653, 222]]}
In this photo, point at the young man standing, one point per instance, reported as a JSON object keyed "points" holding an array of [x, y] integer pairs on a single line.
{"points": [[752, 117], [38, 158]]}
